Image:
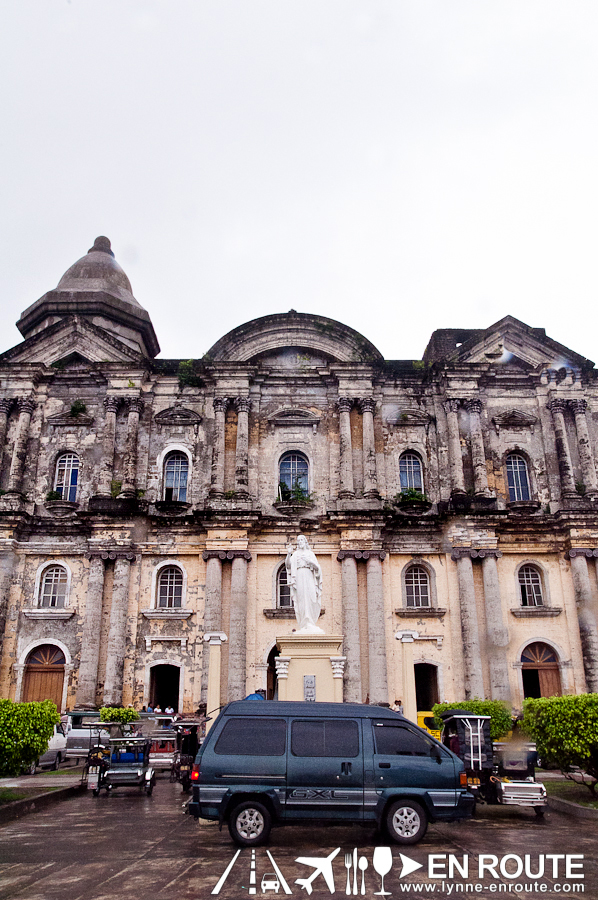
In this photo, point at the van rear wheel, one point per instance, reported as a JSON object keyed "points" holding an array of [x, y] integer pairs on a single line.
{"points": [[249, 824], [406, 822]]}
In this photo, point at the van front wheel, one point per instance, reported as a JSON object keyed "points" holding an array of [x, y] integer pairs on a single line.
{"points": [[249, 824], [406, 822]]}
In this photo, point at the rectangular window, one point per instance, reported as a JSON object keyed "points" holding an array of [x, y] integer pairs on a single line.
{"points": [[325, 737], [254, 736], [397, 740]]}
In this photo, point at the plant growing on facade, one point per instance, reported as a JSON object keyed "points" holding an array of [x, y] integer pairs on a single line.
{"points": [[53, 495], [411, 495], [294, 494], [501, 720], [565, 730], [77, 408], [25, 729], [115, 487]]}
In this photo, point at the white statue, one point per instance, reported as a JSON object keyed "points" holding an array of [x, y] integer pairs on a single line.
{"points": [[304, 576]]}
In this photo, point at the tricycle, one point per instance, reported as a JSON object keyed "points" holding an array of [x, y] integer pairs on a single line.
{"points": [[496, 773], [123, 762]]}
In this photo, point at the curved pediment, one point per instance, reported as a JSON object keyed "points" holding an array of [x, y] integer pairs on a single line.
{"points": [[320, 338], [177, 415]]}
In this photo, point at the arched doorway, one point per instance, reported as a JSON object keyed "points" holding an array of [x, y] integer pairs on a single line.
{"points": [[164, 686], [272, 682], [426, 686], [43, 678], [540, 671]]}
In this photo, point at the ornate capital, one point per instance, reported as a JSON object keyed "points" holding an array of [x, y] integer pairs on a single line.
{"points": [[226, 555], [220, 404], [344, 404], [464, 552], [134, 404], [452, 404], [111, 555], [557, 405], [367, 404], [338, 666], [581, 551], [5, 405], [361, 554], [473, 406], [578, 406], [25, 405], [282, 666], [111, 404], [242, 404]]}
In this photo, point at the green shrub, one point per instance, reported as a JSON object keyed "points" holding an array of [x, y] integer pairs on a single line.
{"points": [[410, 494], [53, 495], [565, 730], [120, 714], [501, 720], [25, 729], [77, 408]]}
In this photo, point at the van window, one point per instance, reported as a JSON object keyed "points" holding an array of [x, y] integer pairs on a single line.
{"points": [[252, 737], [327, 737], [393, 740]]}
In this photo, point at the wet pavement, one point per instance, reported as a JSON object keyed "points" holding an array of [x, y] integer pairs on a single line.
{"points": [[133, 847]]}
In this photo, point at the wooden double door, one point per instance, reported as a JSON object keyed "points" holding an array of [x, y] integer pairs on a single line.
{"points": [[43, 678], [541, 675]]}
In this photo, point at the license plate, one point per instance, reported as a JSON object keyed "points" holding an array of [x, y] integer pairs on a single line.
{"points": [[184, 768]]}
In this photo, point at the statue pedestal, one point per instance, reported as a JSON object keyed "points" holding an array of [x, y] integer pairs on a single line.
{"points": [[310, 666]]}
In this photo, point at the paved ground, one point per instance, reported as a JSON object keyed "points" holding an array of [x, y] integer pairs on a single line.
{"points": [[129, 846]]}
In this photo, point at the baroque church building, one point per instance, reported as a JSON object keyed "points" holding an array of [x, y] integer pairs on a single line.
{"points": [[146, 506]]}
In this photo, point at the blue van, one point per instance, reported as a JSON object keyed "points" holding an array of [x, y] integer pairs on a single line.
{"points": [[284, 763]]}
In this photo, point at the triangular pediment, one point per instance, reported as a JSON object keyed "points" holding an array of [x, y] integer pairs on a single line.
{"points": [[514, 418], [69, 340], [511, 342], [412, 417], [293, 416]]}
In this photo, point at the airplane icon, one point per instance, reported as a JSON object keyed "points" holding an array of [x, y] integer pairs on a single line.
{"points": [[323, 866]]}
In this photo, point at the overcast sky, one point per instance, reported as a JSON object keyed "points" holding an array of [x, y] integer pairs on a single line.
{"points": [[399, 166]]}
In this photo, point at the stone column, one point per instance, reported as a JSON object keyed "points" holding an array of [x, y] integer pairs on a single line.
{"points": [[478, 454], [407, 639], [238, 629], [212, 620], [25, 406], [90, 639], [5, 407], [214, 640], [217, 487], [351, 640], [108, 436], [472, 660], [586, 617], [497, 632], [370, 478], [129, 485], [117, 633], [346, 448], [243, 405], [454, 445], [376, 632], [584, 444], [557, 408]]}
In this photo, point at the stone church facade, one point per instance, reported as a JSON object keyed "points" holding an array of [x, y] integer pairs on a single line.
{"points": [[146, 506]]}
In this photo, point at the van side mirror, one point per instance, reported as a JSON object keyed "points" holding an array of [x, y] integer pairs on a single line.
{"points": [[436, 753]]}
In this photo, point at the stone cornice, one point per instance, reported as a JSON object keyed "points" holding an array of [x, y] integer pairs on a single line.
{"points": [[536, 612], [361, 554], [175, 613], [226, 555], [462, 552], [48, 614]]}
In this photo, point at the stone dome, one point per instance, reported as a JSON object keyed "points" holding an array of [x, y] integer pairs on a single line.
{"points": [[98, 270]]}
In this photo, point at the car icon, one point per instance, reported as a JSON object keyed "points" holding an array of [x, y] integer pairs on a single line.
{"points": [[270, 883]]}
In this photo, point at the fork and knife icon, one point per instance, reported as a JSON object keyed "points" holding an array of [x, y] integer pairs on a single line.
{"points": [[352, 863]]}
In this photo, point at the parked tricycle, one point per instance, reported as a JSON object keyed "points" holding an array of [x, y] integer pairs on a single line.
{"points": [[189, 735], [496, 773], [123, 762]]}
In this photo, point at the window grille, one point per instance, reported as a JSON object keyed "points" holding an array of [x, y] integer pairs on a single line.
{"points": [[517, 477], [176, 472], [417, 585], [67, 476], [530, 585], [170, 588], [410, 472], [53, 588]]}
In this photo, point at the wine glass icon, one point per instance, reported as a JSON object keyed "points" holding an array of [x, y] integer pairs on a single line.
{"points": [[382, 862]]}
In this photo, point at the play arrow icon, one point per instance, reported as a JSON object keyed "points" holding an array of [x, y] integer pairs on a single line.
{"points": [[409, 865]]}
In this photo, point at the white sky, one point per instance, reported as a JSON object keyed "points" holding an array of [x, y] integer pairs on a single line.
{"points": [[399, 166]]}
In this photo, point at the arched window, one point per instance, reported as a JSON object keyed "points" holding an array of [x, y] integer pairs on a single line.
{"points": [[176, 472], [67, 476], [293, 473], [517, 477], [53, 587], [283, 589], [170, 588], [410, 472], [530, 586], [417, 586]]}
